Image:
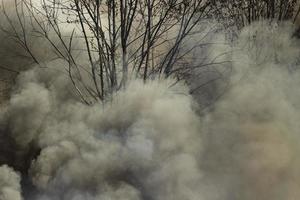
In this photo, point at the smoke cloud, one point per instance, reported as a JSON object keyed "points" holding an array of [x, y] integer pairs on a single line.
{"points": [[150, 142], [252, 134], [10, 188], [126, 149]]}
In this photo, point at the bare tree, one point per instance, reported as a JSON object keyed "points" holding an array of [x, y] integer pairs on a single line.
{"points": [[240, 13], [122, 38]]}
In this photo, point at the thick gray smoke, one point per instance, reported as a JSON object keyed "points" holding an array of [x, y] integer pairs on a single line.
{"points": [[149, 143], [10, 188], [145, 138], [252, 136]]}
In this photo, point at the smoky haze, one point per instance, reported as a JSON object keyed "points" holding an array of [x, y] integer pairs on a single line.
{"points": [[153, 140]]}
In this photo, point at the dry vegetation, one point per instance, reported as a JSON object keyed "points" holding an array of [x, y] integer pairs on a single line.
{"points": [[129, 38]]}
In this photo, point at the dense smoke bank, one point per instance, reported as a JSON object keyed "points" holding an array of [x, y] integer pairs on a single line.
{"points": [[127, 149], [150, 142]]}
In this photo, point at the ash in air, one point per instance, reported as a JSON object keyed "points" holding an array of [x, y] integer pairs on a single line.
{"points": [[154, 139]]}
